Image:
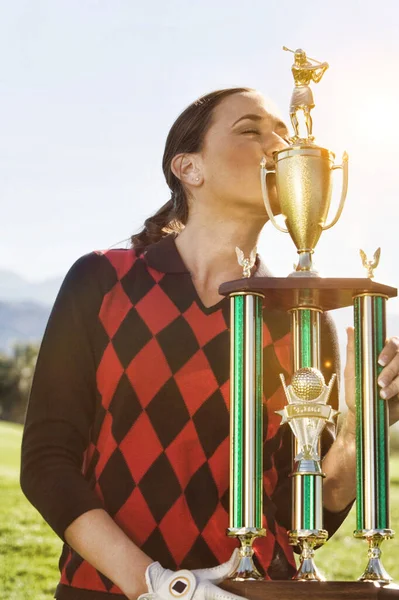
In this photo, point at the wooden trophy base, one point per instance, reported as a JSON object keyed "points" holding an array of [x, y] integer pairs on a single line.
{"points": [[285, 293], [316, 590]]}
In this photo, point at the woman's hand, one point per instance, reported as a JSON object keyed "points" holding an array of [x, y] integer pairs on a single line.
{"points": [[388, 379], [200, 584]]}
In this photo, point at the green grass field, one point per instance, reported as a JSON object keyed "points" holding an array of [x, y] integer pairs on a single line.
{"points": [[29, 549]]}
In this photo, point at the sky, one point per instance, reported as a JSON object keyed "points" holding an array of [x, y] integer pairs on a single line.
{"points": [[89, 90]]}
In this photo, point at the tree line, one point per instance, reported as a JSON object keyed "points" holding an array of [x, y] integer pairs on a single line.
{"points": [[16, 373]]}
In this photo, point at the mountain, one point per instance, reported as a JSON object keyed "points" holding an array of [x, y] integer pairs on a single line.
{"points": [[14, 288], [24, 308], [23, 321]]}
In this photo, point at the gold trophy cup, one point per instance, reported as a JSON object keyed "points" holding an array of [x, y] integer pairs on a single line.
{"points": [[304, 201]]}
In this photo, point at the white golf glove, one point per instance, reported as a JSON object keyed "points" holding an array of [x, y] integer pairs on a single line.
{"points": [[199, 584]]}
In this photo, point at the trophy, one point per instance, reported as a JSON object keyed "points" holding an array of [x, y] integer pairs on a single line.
{"points": [[303, 177]]}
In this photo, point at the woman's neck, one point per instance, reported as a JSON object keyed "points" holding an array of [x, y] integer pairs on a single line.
{"points": [[208, 251]]}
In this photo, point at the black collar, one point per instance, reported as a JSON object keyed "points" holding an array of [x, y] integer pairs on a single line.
{"points": [[164, 256]]}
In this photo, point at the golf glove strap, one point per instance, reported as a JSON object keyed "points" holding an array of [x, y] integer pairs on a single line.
{"points": [[199, 584]]}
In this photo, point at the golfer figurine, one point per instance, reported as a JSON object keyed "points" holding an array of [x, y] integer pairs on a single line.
{"points": [[304, 72]]}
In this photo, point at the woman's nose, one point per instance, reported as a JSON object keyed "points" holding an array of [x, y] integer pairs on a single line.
{"points": [[275, 143]]}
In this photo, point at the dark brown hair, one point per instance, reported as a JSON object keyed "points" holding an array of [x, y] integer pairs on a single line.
{"points": [[185, 136]]}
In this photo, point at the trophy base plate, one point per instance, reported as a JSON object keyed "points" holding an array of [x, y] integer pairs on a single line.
{"points": [[317, 590], [286, 293], [369, 533]]}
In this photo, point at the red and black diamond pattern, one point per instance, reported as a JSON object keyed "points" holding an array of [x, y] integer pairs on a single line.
{"points": [[159, 453]]}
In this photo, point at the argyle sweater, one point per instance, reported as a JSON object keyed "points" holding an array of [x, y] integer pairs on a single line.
{"points": [[129, 411]]}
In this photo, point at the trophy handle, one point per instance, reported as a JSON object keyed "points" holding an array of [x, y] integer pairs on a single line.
{"points": [[263, 174], [344, 168]]}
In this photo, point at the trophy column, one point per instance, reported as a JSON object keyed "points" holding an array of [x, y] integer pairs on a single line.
{"points": [[307, 478], [372, 465], [246, 428]]}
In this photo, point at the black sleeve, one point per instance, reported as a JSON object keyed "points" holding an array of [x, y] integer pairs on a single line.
{"points": [[330, 363], [62, 402]]}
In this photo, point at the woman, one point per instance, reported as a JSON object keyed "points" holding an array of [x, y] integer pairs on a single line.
{"points": [[125, 450]]}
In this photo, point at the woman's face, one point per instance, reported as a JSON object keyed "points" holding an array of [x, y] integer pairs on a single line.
{"points": [[244, 130]]}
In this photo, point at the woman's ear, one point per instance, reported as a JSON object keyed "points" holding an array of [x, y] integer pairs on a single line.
{"points": [[186, 167]]}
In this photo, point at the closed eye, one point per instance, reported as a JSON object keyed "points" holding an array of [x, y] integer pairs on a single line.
{"points": [[251, 131]]}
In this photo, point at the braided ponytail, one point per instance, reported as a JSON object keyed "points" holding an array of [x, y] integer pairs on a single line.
{"points": [[185, 136], [170, 218], [155, 227]]}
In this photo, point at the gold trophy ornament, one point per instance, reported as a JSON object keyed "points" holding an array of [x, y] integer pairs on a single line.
{"points": [[304, 72], [246, 263], [307, 411], [370, 265]]}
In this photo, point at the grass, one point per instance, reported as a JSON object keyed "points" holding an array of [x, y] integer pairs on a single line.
{"points": [[29, 549], [344, 558]]}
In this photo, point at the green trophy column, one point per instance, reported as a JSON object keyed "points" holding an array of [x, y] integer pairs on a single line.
{"points": [[372, 439], [307, 478], [305, 328], [307, 513], [246, 426]]}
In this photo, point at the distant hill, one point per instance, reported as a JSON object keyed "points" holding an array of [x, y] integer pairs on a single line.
{"points": [[21, 322], [14, 288], [24, 308]]}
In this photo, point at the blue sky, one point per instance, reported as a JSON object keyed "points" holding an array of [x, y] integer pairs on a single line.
{"points": [[89, 89]]}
